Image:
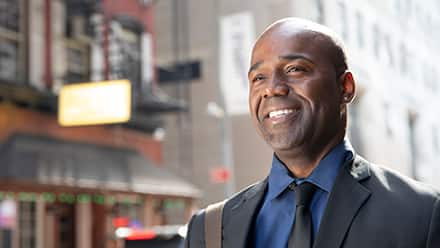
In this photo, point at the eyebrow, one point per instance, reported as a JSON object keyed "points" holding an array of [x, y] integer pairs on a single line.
{"points": [[294, 57], [283, 57], [254, 67]]}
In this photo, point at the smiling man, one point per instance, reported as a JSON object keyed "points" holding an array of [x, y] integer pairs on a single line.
{"points": [[319, 193]]}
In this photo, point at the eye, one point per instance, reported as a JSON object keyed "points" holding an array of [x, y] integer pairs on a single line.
{"points": [[257, 78], [295, 68]]}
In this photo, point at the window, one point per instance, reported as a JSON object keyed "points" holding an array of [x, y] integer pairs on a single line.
{"points": [[360, 29], [344, 21], [435, 139], [409, 8], [428, 26], [131, 208], [125, 50], [387, 118], [320, 11], [397, 6], [5, 238], [27, 224], [8, 214], [412, 123], [12, 45], [376, 40], [128, 209], [77, 46], [403, 59], [171, 211], [388, 49], [355, 125], [429, 77], [65, 215]]}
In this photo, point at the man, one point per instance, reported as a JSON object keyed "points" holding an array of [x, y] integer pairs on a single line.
{"points": [[300, 86]]}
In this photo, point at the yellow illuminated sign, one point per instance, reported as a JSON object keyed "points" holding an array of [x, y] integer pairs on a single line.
{"points": [[94, 103]]}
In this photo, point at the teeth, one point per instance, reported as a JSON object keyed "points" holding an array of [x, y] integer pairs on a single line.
{"points": [[280, 112]]}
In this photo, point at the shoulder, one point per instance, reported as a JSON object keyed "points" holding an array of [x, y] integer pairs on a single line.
{"points": [[238, 197], [195, 234], [405, 203], [400, 185], [246, 193], [396, 194]]}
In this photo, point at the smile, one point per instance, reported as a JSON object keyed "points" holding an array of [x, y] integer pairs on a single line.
{"points": [[281, 112]]}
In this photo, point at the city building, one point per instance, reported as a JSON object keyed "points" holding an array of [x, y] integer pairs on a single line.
{"points": [[392, 46], [74, 186]]}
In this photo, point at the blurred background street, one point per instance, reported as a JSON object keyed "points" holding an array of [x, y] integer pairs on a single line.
{"points": [[184, 137]]}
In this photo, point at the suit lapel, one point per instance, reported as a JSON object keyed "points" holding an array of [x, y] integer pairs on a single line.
{"points": [[239, 218], [345, 200]]}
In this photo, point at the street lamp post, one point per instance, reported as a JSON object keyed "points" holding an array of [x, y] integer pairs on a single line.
{"points": [[213, 109]]}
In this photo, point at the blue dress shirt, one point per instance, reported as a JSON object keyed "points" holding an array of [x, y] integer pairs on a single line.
{"points": [[276, 216]]}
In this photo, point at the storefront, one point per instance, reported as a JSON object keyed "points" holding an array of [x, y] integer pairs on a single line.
{"points": [[73, 186], [56, 193]]}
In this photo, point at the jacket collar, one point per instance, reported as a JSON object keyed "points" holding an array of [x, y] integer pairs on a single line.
{"points": [[239, 214], [345, 200]]}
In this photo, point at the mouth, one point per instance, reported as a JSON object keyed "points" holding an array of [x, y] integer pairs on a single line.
{"points": [[279, 115]]}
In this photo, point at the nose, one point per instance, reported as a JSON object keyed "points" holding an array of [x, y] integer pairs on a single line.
{"points": [[276, 88]]}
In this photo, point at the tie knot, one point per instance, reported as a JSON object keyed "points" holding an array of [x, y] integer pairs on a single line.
{"points": [[303, 193]]}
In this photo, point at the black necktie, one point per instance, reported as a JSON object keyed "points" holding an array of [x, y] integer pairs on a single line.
{"points": [[301, 235]]}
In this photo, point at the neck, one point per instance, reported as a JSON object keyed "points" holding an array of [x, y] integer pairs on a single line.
{"points": [[304, 160]]}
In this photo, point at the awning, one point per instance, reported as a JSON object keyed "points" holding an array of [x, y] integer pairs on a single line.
{"points": [[48, 161]]}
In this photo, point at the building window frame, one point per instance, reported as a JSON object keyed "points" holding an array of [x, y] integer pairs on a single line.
{"points": [[360, 23], [77, 45], [342, 7], [27, 223], [13, 41]]}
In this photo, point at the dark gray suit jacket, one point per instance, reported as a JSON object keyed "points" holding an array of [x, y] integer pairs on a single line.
{"points": [[369, 207]]}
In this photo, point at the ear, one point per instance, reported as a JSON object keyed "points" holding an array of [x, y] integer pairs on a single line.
{"points": [[348, 87]]}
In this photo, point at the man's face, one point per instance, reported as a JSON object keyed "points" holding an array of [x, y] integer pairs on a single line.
{"points": [[294, 95]]}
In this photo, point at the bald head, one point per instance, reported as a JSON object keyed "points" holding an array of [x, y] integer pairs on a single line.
{"points": [[322, 35]]}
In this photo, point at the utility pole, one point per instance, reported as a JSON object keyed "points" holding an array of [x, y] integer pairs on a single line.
{"points": [[213, 109]]}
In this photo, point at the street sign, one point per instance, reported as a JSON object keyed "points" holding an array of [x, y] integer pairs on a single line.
{"points": [[184, 71], [94, 103]]}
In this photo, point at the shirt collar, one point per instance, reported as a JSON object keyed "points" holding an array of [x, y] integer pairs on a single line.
{"points": [[323, 176]]}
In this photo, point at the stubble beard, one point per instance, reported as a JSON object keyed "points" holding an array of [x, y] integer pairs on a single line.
{"points": [[292, 139]]}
